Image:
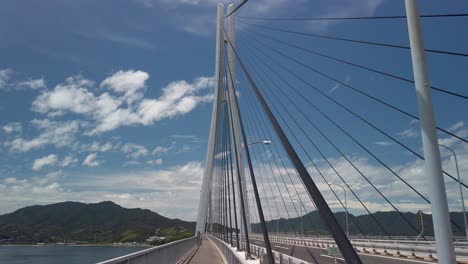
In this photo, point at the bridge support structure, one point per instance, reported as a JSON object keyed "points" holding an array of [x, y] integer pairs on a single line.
{"points": [[235, 119], [432, 161], [218, 98]]}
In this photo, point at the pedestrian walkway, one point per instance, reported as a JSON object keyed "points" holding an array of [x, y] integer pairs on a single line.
{"points": [[207, 253]]}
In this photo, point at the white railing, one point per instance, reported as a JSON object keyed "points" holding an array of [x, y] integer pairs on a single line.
{"points": [[233, 256], [168, 253]]}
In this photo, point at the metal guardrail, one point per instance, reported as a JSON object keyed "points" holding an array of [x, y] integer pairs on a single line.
{"points": [[458, 240], [391, 248], [279, 257], [168, 253]]}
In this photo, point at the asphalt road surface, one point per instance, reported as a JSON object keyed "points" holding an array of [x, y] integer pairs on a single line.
{"points": [[319, 255]]}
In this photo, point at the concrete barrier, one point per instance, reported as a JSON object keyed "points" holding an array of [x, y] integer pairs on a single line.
{"points": [[230, 254]]}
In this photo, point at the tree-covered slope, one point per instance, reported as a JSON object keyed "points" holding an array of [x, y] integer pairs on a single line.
{"points": [[79, 222]]}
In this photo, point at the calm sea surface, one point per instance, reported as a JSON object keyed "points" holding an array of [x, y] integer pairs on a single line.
{"points": [[61, 254]]}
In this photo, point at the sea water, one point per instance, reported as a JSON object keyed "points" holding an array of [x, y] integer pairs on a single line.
{"points": [[60, 254]]}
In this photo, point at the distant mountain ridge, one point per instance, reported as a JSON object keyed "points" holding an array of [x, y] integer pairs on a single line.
{"points": [[79, 222]]}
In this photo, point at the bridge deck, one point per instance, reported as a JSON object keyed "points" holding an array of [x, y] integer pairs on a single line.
{"points": [[207, 253]]}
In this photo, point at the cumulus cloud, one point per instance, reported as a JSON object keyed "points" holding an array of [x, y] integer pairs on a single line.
{"points": [[44, 161], [126, 105], [130, 83], [73, 95], [58, 133], [12, 128], [91, 161], [178, 98]]}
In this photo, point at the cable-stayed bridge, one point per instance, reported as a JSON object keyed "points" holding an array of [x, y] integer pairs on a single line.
{"points": [[304, 164]]}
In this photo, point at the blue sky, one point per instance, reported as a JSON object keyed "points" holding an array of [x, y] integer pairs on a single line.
{"points": [[111, 100]]}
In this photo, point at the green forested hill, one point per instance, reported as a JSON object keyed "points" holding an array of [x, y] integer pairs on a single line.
{"points": [[80, 222]]}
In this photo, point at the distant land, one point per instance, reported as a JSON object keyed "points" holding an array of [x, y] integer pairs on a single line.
{"points": [[74, 222], [391, 222], [107, 222]]}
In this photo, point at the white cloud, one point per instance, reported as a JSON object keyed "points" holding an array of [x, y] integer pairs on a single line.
{"points": [[336, 86], [105, 34], [5, 76], [184, 136], [456, 126], [44, 161], [408, 133], [185, 148], [12, 128], [453, 142], [203, 21], [132, 162], [411, 169], [146, 3], [342, 8], [161, 150], [68, 161], [156, 162], [135, 151], [100, 147], [178, 98], [91, 161], [130, 83], [107, 110], [383, 143], [8, 83], [58, 133], [33, 84], [73, 95]]}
